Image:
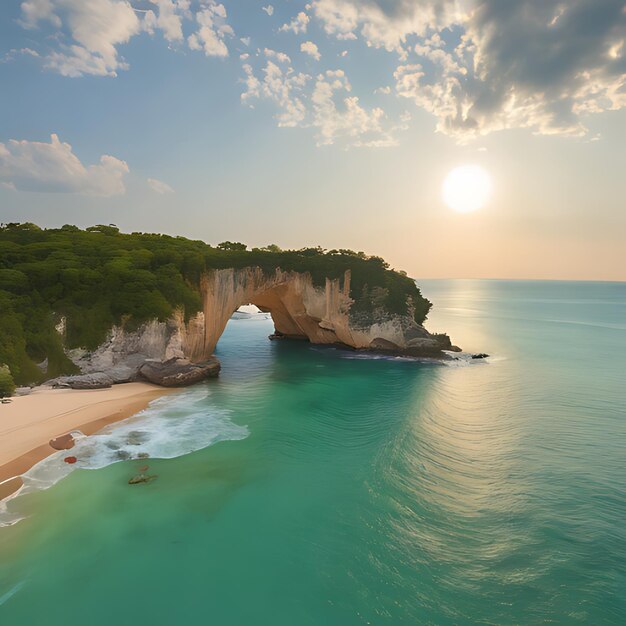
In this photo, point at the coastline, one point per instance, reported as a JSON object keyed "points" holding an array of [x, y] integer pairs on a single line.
{"points": [[29, 422]]}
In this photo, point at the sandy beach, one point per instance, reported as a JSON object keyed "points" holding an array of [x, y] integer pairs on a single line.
{"points": [[28, 423]]}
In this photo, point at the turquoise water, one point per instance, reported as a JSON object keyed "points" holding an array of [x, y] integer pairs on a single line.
{"points": [[345, 491]]}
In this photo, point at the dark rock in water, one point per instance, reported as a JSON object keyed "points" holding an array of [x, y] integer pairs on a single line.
{"points": [[276, 336], [143, 468], [136, 437], [382, 344], [123, 455], [480, 355], [140, 478], [179, 372], [143, 455], [64, 442], [454, 349], [97, 380]]}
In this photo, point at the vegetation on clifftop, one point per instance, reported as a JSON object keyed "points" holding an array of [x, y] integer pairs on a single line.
{"points": [[99, 277]]}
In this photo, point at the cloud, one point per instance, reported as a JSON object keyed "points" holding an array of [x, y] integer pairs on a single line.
{"points": [[88, 33], [269, 9], [323, 104], [212, 31], [297, 25], [168, 18], [345, 118], [159, 186], [308, 47], [53, 167], [14, 53], [279, 84], [383, 24], [497, 64], [96, 27]]}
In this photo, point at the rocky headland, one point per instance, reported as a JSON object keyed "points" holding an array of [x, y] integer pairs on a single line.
{"points": [[90, 309]]}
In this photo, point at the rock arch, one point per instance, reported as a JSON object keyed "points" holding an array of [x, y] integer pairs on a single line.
{"points": [[299, 309]]}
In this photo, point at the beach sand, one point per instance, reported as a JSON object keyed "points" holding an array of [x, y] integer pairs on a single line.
{"points": [[29, 422]]}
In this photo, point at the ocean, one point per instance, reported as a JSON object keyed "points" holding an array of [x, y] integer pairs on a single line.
{"points": [[315, 486]]}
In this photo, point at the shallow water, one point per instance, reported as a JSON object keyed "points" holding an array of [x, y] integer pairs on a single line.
{"points": [[338, 490]]}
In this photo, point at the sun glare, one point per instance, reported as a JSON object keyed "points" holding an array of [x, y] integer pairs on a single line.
{"points": [[467, 188]]}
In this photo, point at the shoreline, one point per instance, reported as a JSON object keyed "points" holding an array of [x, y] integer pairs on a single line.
{"points": [[29, 422]]}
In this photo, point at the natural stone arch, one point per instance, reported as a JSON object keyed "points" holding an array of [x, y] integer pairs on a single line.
{"points": [[299, 309]]}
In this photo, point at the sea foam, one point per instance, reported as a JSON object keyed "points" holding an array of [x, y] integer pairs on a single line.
{"points": [[170, 427]]}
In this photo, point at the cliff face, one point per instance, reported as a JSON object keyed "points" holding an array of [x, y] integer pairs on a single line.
{"points": [[299, 309], [302, 310]]}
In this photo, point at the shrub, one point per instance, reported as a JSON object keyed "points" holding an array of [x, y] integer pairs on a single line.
{"points": [[7, 386]]}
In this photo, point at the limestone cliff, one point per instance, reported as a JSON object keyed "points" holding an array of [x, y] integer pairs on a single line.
{"points": [[302, 310], [299, 309]]}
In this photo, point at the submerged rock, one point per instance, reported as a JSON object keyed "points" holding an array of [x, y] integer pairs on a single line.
{"points": [[140, 478], [179, 372], [137, 437]]}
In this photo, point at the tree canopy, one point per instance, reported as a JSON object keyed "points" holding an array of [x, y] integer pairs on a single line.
{"points": [[98, 277]]}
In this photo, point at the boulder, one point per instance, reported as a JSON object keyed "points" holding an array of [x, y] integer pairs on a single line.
{"points": [[179, 372], [379, 343], [425, 345], [123, 374], [64, 442], [97, 380], [480, 355]]}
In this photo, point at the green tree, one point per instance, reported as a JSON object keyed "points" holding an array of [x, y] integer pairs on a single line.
{"points": [[7, 386], [232, 246]]}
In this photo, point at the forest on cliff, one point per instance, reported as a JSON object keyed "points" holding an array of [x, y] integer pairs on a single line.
{"points": [[99, 277]]}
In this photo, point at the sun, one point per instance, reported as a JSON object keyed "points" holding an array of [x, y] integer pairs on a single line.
{"points": [[467, 188]]}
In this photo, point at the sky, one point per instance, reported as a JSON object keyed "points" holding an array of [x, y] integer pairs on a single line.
{"points": [[331, 123]]}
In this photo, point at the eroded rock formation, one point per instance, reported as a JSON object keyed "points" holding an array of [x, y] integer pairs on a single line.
{"points": [[323, 315], [299, 309]]}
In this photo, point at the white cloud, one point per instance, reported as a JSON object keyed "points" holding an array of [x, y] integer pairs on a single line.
{"points": [[383, 24], [281, 57], [159, 186], [485, 65], [297, 25], [280, 84], [308, 47], [383, 90], [169, 19], [323, 105], [12, 54], [53, 167], [346, 118], [269, 9], [212, 31], [97, 28]]}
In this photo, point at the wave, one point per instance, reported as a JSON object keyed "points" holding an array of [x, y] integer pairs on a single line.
{"points": [[10, 593], [170, 427]]}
